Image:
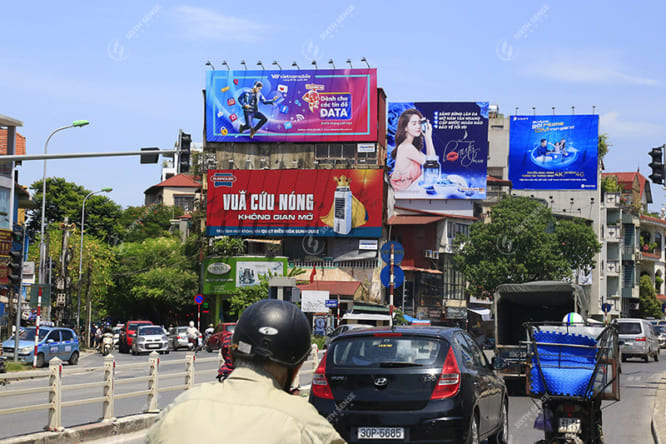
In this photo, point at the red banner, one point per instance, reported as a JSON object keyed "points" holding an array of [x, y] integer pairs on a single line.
{"points": [[295, 202]]}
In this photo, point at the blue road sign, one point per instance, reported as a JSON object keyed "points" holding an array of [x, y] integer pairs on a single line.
{"points": [[331, 303], [606, 307], [398, 276], [198, 299], [398, 252]]}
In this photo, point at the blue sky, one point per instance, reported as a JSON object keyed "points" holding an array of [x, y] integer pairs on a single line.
{"points": [[136, 69]]}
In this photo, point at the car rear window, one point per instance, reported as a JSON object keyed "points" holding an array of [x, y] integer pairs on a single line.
{"points": [[151, 331], [629, 328], [230, 328], [387, 351]]}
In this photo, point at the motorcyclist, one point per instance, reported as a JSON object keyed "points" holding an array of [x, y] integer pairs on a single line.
{"points": [[225, 370], [193, 336], [269, 345], [107, 338]]}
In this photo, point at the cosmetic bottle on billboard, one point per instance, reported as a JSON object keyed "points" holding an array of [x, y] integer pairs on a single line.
{"points": [[431, 171], [342, 221]]}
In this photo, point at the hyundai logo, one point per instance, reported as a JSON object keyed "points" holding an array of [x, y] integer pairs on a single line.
{"points": [[381, 382]]}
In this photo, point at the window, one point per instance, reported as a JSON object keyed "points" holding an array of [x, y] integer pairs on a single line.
{"points": [[186, 202], [66, 335], [456, 228], [55, 335]]}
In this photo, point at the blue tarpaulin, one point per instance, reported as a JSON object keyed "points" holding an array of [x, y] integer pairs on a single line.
{"points": [[413, 320]]}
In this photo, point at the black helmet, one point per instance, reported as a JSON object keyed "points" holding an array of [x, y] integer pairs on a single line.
{"points": [[274, 330]]}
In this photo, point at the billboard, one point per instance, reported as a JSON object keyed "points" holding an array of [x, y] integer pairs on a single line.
{"points": [[321, 105], [554, 152], [226, 274], [345, 202], [438, 150]]}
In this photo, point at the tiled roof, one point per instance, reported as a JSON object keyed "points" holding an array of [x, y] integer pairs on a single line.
{"points": [[179, 180], [20, 143]]}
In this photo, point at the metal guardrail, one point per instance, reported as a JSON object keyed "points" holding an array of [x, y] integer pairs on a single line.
{"points": [[109, 395]]}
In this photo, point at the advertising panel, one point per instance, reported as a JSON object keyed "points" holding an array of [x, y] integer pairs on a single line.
{"points": [[554, 152], [322, 105], [225, 274], [438, 150], [329, 203]]}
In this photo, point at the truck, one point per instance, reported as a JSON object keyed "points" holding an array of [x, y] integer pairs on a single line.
{"points": [[538, 301]]}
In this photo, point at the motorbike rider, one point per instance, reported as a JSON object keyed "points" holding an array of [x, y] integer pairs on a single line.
{"points": [[225, 370], [193, 336], [270, 343], [107, 337]]}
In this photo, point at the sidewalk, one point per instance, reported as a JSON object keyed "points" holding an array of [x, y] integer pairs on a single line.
{"points": [[659, 413]]}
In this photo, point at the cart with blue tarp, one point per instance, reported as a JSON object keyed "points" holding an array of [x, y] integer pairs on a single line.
{"points": [[571, 369]]}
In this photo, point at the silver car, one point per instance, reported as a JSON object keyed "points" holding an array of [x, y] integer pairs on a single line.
{"points": [[341, 329], [178, 338], [638, 339], [150, 338]]}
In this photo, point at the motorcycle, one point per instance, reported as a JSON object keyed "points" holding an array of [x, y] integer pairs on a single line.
{"points": [[106, 346], [3, 366]]}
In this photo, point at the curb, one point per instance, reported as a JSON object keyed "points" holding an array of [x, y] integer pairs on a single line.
{"points": [[89, 432], [658, 423]]}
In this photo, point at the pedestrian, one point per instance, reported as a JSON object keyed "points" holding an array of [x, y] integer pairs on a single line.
{"points": [[254, 404]]}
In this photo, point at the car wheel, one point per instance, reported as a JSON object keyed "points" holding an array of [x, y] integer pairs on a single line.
{"points": [[74, 359], [656, 356], [40, 360], [624, 358], [473, 431], [646, 357], [502, 435], [166, 352]]}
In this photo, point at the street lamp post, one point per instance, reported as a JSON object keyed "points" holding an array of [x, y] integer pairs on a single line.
{"points": [[42, 245], [83, 218]]}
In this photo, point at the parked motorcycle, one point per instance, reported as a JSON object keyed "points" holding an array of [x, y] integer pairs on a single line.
{"points": [[106, 346]]}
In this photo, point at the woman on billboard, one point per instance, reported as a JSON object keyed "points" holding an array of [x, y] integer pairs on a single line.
{"points": [[408, 154]]}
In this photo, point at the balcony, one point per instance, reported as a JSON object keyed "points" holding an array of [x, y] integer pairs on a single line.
{"points": [[613, 268], [612, 200], [648, 256], [629, 218], [614, 233], [630, 292]]}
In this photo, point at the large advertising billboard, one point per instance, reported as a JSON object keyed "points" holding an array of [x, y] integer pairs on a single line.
{"points": [[226, 274], [438, 150], [330, 203], [554, 152], [322, 105]]}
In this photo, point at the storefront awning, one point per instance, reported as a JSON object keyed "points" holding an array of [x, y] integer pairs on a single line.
{"points": [[414, 220], [485, 313]]}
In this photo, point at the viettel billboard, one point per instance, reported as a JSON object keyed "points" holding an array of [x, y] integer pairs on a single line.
{"points": [[329, 203]]}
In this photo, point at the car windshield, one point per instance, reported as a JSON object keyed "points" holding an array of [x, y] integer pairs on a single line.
{"points": [[28, 334], [151, 331], [386, 351], [230, 328], [629, 328]]}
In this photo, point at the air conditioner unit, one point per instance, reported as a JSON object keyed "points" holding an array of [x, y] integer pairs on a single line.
{"points": [[435, 254], [427, 253], [634, 305]]}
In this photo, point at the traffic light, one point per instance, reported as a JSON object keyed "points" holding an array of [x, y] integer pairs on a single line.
{"points": [[184, 142], [657, 165], [16, 256]]}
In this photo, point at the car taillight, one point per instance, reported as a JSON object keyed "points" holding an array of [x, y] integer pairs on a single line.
{"points": [[320, 387], [640, 339], [448, 383]]}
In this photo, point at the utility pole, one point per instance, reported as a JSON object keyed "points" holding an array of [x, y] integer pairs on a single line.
{"points": [[62, 282]]}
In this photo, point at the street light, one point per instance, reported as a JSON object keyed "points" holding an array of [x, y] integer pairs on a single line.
{"points": [[83, 214], [42, 246]]}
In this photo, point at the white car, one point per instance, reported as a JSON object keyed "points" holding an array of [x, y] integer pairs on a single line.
{"points": [[150, 338]]}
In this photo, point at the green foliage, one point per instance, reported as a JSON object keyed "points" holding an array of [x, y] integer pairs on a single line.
{"points": [[243, 297], [228, 246], [154, 277], [658, 281], [136, 224], [603, 145], [65, 199], [399, 317], [609, 185], [18, 366], [578, 244], [319, 340], [520, 244], [649, 305]]}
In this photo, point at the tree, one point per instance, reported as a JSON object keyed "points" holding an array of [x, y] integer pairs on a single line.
{"points": [[649, 305], [609, 185], [578, 244], [65, 199], [603, 145], [243, 297], [138, 223], [154, 277], [228, 246], [520, 244]]}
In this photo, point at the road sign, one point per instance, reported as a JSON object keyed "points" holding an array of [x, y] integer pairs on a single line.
{"points": [[398, 276], [198, 299], [331, 303], [606, 307], [398, 252]]}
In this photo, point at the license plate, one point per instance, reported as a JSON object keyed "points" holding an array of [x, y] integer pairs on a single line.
{"points": [[153, 346], [569, 425], [381, 433]]}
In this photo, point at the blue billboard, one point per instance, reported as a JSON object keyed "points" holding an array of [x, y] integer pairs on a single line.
{"points": [[554, 152], [438, 150]]}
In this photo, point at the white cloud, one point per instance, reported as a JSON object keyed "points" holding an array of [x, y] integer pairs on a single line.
{"points": [[206, 24], [585, 67], [612, 123]]}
